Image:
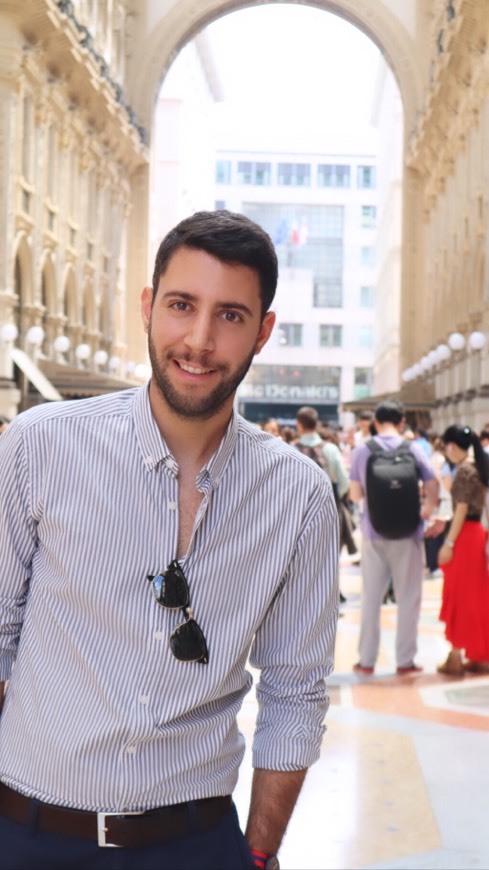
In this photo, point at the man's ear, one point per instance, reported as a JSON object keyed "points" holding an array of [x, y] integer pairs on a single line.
{"points": [[146, 305], [266, 328]]}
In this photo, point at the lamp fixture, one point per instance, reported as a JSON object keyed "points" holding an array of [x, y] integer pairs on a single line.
{"points": [[35, 336], [443, 352], [477, 340], [61, 344], [8, 332], [100, 357], [456, 341], [83, 351], [114, 363]]}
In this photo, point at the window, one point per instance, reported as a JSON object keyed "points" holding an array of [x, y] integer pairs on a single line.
{"points": [[362, 383], [254, 173], [366, 176], [219, 204], [327, 294], [366, 297], [330, 335], [294, 174], [330, 175], [223, 172], [245, 172], [369, 216], [365, 337], [290, 334], [262, 173], [368, 256]]}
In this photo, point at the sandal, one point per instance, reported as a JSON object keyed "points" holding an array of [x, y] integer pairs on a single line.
{"points": [[453, 666]]}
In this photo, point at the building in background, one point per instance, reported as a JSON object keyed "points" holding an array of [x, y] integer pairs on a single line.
{"points": [[71, 144], [320, 209]]}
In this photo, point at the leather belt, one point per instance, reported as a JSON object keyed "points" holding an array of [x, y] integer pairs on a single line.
{"points": [[115, 829]]}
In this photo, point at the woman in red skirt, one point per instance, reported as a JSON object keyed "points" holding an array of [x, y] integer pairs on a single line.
{"points": [[465, 599]]}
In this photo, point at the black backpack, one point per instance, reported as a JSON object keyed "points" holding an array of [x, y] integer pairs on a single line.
{"points": [[392, 490]]}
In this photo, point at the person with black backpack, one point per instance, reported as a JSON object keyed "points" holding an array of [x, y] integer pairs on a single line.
{"points": [[395, 483]]}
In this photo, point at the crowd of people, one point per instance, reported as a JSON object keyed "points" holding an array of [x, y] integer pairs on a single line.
{"points": [[448, 538]]}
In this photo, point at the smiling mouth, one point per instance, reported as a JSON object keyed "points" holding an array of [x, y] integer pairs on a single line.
{"points": [[193, 370]]}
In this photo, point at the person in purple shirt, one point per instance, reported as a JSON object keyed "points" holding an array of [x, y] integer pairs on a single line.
{"points": [[382, 559]]}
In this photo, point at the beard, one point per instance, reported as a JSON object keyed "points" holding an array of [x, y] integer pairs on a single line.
{"points": [[184, 404]]}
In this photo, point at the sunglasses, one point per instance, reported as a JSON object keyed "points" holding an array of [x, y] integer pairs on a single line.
{"points": [[170, 588]]}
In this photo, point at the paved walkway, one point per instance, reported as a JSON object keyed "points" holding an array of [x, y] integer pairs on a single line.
{"points": [[403, 779]]}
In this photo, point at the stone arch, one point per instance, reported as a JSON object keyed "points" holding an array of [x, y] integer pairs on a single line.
{"points": [[186, 19]]}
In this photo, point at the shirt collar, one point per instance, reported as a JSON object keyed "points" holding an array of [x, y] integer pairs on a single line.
{"points": [[311, 439], [155, 450]]}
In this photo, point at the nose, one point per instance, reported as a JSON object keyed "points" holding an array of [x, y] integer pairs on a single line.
{"points": [[200, 336]]}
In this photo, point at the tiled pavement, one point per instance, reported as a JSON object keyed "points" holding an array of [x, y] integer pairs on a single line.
{"points": [[403, 778]]}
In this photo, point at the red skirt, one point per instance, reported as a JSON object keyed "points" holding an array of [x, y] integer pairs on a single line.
{"points": [[465, 599]]}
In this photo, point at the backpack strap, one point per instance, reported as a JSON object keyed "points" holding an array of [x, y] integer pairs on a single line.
{"points": [[375, 447]]}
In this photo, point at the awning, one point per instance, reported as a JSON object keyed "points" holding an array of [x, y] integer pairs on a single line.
{"points": [[77, 383], [422, 399], [34, 374]]}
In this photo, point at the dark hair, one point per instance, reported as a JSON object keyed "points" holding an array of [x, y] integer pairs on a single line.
{"points": [[389, 411], [484, 435], [3, 421], [465, 437], [308, 417], [231, 238], [365, 415]]}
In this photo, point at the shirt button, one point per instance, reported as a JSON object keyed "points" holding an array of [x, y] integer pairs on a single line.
{"points": [[143, 699], [172, 505], [158, 635], [170, 463], [130, 750]]}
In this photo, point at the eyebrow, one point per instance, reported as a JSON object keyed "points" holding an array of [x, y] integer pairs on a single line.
{"points": [[189, 297]]}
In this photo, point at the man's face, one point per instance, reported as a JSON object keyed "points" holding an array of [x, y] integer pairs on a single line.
{"points": [[204, 328]]}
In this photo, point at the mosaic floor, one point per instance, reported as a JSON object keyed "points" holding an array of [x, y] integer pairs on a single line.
{"points": [[403, 779]]}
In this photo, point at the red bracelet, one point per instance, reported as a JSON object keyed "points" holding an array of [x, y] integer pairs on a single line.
{"points": [[260, 858]]}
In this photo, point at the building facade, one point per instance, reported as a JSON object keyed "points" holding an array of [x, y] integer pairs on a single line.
{"points": [[320, 209], [70, 146]]}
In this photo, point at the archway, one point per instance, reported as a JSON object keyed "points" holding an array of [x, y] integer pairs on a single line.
{"points": [[167, 34]]}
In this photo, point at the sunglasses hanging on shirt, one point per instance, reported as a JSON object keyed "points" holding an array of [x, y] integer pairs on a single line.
{"points": [[170, 589]]}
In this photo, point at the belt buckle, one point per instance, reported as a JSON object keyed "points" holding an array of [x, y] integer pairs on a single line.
{"points": [[102, 830]]}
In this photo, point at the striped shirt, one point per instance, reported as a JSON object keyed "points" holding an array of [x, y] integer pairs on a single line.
{"points": [[98, 714]]}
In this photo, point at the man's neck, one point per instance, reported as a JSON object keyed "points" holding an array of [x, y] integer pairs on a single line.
{"points": [[387, 429], [192, 441]]}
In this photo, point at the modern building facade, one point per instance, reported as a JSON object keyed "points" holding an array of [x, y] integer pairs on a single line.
{"points": [[320, 209]]}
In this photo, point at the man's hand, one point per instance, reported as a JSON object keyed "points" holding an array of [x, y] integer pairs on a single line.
{"points": [[435, 527], [273, 797]]}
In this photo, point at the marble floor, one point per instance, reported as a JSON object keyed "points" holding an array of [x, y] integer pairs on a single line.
{"points": [[403, 778]]}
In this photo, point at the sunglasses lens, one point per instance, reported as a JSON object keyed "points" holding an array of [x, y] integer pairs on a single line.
{"points": [[187, 643], [170, 588]]}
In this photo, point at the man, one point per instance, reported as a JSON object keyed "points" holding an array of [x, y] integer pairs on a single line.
{"points": [[151, 541], [383, 558], [310, 441], [363, 431], [3, 425]]}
